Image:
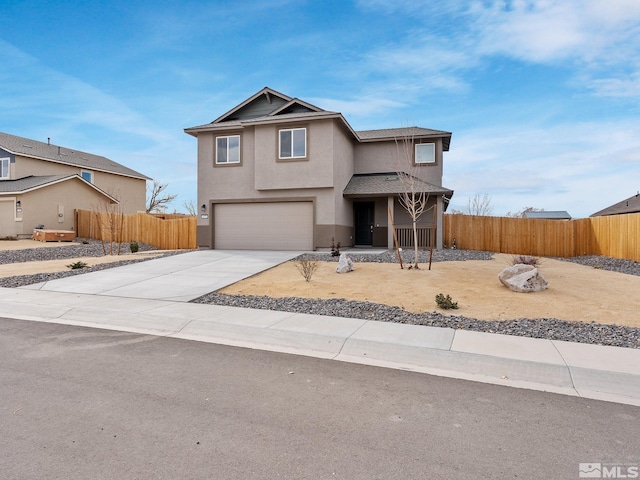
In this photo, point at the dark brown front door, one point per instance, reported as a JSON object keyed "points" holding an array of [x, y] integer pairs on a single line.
{"points": [[363, 213]]}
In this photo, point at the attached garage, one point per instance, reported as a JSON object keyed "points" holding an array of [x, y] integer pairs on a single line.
{"points": [[263, 226]]}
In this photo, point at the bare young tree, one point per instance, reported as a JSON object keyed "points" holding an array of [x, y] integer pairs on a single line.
{"points": [[479, 205], [110, 220], [190, 207], [158, 199], [413, 198]]}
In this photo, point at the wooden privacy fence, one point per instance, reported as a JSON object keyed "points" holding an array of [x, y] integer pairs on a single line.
{"points": [[177, 232], [613, 236]]}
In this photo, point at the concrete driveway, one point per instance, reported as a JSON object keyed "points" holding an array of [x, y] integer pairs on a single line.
{"points": [[178, 278]]}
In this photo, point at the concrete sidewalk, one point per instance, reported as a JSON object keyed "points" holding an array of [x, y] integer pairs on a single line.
{"points": [[152, 298]]}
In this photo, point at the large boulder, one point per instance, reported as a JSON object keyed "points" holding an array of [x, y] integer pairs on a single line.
{"points": [[523, 278], [344, 264]]}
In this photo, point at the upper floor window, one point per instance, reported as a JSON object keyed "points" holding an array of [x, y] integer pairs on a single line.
{"points": [[426, 153], [88, 176], [4, 168], [228, 149], [293, 143]]}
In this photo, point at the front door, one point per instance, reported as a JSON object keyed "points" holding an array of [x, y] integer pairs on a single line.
{"points": [[363, 213]]}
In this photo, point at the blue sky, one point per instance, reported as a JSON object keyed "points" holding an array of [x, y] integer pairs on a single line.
{"points": [[542, 97]]}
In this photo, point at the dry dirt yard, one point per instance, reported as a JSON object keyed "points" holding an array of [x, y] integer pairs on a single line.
{"points": [[575, 292]]}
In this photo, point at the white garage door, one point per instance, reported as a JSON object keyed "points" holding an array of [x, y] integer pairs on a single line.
{"points": [[264, 226]]}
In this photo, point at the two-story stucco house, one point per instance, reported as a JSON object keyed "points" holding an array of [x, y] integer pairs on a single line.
{"points": [[42, 184], [276, 172]]}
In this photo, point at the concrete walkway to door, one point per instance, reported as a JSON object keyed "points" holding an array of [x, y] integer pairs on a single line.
{"points": [[178, 278]]}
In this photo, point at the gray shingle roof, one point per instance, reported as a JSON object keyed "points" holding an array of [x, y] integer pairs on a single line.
{"points": [[45, 151], [274, 115], [549, 215], [411, 132], [629, 205], [29, 183], [33, 182], [383, 184], [262, 119]]}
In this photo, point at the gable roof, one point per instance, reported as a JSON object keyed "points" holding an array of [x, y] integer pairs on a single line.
{"points": [[265, 96], [549, 215], [34, 182], [384, 184], [47, 151], [629, 205], [270, 106]]}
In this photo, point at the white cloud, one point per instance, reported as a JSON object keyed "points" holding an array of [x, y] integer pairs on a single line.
{"points": [[588, 31], [578, 167], [360, 106], [622, 87]]}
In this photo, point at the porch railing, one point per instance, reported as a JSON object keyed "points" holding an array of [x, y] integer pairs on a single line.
{"points": [[425, 236]]}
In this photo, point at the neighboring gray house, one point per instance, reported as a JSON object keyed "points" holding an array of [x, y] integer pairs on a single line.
{"points": [[42, 184], [548, 215], [630, 205], [276, 172]]}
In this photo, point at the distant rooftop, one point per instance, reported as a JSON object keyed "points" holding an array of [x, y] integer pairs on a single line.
{"points": [[629, 205], [48, 151], [549, 215]]}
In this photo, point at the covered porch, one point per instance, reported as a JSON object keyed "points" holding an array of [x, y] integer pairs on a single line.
{"points": [[377, 212]]}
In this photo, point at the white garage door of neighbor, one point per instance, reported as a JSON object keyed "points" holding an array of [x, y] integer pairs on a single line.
{"points": [[264, 226]]}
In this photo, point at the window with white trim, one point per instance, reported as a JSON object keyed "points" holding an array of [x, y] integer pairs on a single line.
{"points": [[426, 153], [4, 168], [87, 175], [228, 149], [293, 143]]}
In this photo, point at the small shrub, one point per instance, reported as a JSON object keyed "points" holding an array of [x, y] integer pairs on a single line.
{"points": [[134, 247], [306, 266], [526, 260], [335, 248], [77, 265], [446, 303]]}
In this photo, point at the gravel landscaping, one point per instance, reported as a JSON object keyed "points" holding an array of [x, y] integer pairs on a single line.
{"points": [[92, 248], [548, 328]]}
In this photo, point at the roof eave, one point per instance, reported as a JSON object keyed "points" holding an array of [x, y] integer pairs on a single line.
{"points": [[60, 180]]}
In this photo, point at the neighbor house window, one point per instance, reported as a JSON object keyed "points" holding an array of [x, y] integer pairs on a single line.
{"points": [[88, 176], [426, 153], [293, 143], [228, 149], [4, 168]]}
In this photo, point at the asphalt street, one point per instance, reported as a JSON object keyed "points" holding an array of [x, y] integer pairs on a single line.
{"points": [[84, 403]]}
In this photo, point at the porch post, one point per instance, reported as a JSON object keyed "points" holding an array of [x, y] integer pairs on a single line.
{"points": [[390, 244], [439, 223]]}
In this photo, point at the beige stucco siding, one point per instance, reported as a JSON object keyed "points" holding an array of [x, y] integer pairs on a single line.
{"points": [[225, 181], [381, 157], [343, 154], [9, 227], [43, 206], [131, 192], [315, 171], [260, 177]]}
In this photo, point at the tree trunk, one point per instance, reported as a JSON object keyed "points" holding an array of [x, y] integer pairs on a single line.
{"points": [[415, 244]]}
